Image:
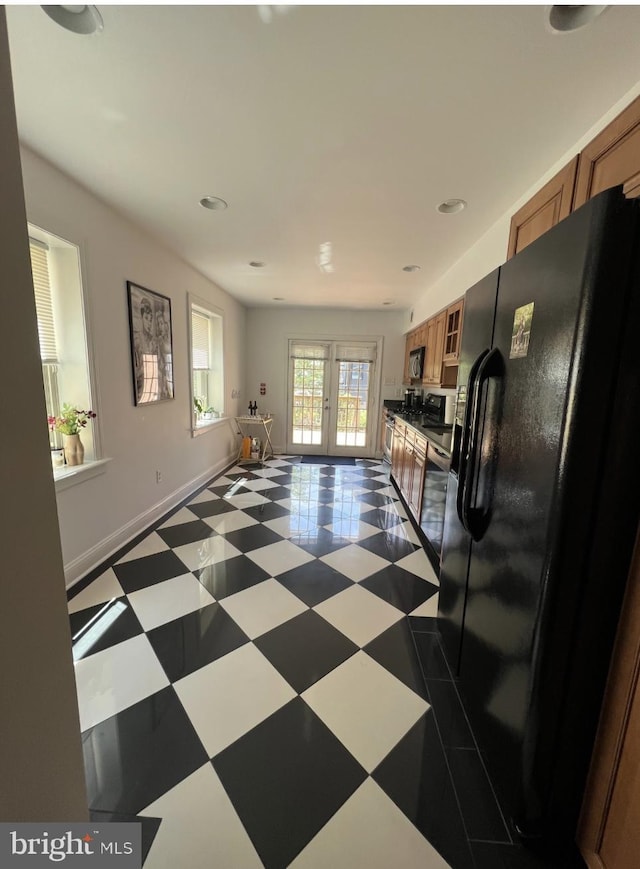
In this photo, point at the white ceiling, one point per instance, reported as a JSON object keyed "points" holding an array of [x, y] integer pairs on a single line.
{"points": [[340, 124]]}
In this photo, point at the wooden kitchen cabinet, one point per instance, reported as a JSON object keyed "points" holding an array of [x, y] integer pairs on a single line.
{"points": [[415, 485], [612, 158], [432, 372], [408, 464], [453, 333], [547, 207]]}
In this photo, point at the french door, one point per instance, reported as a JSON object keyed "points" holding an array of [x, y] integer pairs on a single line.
{"points": [[330, 397]]}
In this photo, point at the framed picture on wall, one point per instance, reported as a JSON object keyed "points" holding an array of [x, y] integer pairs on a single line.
{"points": [[151, 345]]}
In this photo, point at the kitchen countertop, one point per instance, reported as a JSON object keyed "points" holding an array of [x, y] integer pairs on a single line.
{"points": [[440, 437]]}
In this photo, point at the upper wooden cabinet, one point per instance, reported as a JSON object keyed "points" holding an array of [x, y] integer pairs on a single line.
{"points": [[612, 158], [453, 333], [432, 371], [549, 206]]}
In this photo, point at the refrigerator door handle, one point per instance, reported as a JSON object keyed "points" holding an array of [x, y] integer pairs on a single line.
{"points": [[464, 441], [476, 520]]}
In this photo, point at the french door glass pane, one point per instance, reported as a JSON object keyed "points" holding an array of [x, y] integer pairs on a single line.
{"points": [[353, 389], [308, 395]]}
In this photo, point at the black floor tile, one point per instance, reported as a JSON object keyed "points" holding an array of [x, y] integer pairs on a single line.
{"points": [[401, 589], [264, 512], [375, 499], [230, 576], [314, 582], [214, 507], [383, 519], [423, 624], [372, 485], [415, 776], [479, 807], [99, 627], [395, 651], [305, 648], [320, 542], [252, 537], [137, 755], [150, 570], [192, 641], [452, 722], [431, 657], [187, 532], [388, 545], [278, 492], [277, 778]]}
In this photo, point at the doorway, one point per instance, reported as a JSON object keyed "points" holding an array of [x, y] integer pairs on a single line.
{"points": [[331, 397]]}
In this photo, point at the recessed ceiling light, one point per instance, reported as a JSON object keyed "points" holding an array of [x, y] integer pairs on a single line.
{"points": [[411, 268], [278, 299], [256, 264], [452, 206], [388, 302], [213, 203], [77, 19], [564, 19]]}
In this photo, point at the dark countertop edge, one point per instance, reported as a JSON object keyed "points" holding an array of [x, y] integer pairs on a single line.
{"points": [[425, 432]]}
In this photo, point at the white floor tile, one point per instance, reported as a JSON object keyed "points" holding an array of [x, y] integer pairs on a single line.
{"points": [[419, 564], [233, 521], [396, 508], [270, 472], [179, 518], [428, 608], [200, 827], [200, 553], [360, 615], [366, 707], [279, 557], [262, 607], [288, 526], [369, 830], [244, 499], [355, 562], [260, 484], [102, 589], [405, 531], [229, 697], [116, 678], [169, 600], [351, 528], [149, 546]]}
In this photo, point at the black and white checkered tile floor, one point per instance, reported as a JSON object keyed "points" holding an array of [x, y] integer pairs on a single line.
{"points": [[249, 687]]}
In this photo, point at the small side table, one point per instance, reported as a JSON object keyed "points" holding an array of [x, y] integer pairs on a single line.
{"points": [[256, 426]]}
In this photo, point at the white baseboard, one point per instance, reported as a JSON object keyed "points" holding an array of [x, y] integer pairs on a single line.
{"points": [[87, 561]]}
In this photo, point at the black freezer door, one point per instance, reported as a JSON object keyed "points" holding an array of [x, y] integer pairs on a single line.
{"points": [[537, 474], [477, 338]]}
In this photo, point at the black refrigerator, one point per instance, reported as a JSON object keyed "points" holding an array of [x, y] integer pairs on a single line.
{"points": [[543, 504]]}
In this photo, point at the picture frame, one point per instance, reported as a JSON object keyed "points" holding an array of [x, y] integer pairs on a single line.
{"points": [[151, 337]]}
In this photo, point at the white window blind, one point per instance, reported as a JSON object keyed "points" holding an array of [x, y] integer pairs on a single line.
{"points": [[200, 341], [309, 351], [44, 302], [355, 353]]}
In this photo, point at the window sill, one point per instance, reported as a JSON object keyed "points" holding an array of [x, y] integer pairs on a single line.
{"points": [[206, 425], [65, 478]]}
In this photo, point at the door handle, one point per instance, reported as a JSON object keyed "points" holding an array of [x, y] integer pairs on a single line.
{"points": [[464, 442], [476, 519]]}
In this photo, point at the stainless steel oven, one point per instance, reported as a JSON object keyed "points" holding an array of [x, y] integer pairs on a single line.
{"points": [[389, 424]]}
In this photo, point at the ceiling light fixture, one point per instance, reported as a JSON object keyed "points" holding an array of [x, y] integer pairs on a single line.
{"points": [[564, 19], [213, 203], [452, 206], [278, 299], [78, 19], [411, 268], [388, 302], [256, 264]]}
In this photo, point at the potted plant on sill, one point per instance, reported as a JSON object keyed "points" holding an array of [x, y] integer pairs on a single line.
{"points": [[69, 424]]}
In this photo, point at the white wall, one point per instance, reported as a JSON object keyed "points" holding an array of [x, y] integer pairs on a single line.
{"points": [[100, 514], [490, 250], [268, 331]]}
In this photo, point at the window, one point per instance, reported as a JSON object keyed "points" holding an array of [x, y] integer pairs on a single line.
{"points": [[207, 375], [55, 265]]}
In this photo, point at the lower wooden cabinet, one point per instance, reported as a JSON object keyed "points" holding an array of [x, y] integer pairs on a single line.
{"points": [[408, 464]]}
